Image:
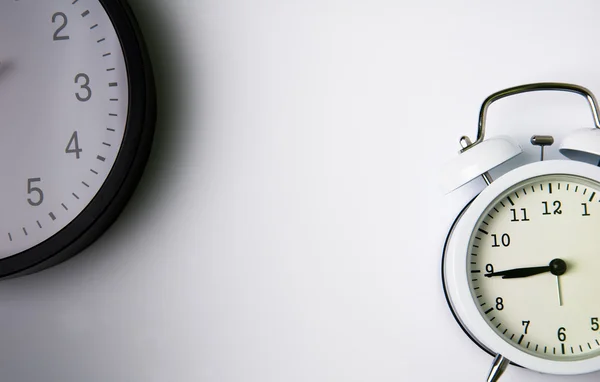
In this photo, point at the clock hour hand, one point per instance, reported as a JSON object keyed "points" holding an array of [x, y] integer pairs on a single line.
{"points": [[557, 267], [520, 272]]}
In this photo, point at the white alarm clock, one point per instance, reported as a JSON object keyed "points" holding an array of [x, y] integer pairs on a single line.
{"points": [[521, 263]]}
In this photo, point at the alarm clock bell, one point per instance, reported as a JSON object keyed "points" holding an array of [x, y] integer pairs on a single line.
{"points": [[476, 160], [582, 145]]}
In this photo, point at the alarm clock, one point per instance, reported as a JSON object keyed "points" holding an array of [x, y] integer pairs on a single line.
{"points": [[520, 263], [77, 115]]}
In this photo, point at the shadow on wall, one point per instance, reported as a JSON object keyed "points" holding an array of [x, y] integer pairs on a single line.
{"points": [[168, 57]]}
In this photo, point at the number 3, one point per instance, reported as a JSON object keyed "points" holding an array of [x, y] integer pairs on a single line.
{"points": [[85, 86]]}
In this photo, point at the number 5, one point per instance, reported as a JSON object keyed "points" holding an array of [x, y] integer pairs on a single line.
{"points": [[31, 190]]}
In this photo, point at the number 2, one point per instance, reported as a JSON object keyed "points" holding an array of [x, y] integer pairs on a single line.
{"points": [[57, 36]]}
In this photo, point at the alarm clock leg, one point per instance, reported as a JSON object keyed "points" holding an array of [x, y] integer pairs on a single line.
{"points": [[498, 366]]}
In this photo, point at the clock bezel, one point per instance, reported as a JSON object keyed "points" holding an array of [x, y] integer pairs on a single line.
{"points": [[129, 165], [456, 277]]}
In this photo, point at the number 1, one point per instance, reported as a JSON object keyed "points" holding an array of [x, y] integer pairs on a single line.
{"points": [[585, 210]]}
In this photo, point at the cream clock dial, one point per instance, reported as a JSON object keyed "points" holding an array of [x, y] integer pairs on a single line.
{"points": [[520, 267], [533, 266]]}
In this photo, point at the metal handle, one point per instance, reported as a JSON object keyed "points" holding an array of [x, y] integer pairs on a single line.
{"points": [[542, 86]]}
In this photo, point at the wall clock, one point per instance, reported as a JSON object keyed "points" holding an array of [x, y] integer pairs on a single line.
{"points": [[77, 109], [520, 264]]}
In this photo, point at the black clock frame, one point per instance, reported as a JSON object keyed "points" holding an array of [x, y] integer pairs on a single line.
{"points": [[127, 170]]}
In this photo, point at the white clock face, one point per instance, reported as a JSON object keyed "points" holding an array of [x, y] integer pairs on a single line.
{"points": [[533, 266], [63, 109]]}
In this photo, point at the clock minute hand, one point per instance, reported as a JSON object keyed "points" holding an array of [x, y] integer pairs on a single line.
{"points": [[520, 272]]}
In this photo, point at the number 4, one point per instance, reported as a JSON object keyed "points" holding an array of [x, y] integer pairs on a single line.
{"points": [[73, 146]]}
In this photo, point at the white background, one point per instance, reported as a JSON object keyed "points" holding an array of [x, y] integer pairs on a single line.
{"points": [[290, 224]]}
